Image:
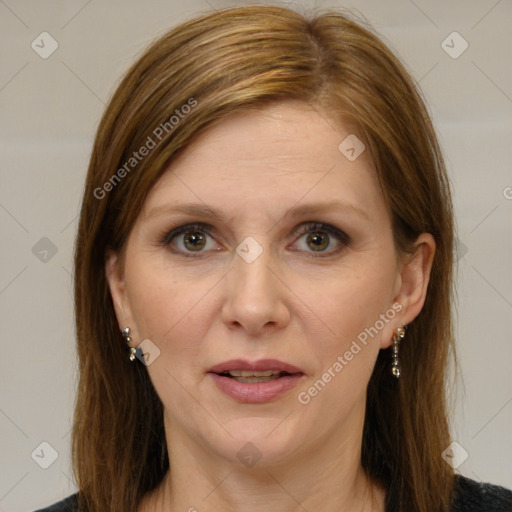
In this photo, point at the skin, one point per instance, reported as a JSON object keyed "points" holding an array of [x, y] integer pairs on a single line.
{"points": [[290, 303]]}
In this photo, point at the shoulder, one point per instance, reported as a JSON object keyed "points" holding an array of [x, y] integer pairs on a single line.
{"points": [[69, 504], [472, 496]]}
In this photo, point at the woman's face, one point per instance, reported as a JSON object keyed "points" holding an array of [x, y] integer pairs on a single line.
{"points": [[263, 241]]}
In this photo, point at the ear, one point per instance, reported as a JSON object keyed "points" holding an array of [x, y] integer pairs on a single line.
{"points": [[412, 283], [116, 282]]}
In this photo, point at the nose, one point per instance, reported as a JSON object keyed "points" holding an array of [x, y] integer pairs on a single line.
{"points": [[255, 298]]}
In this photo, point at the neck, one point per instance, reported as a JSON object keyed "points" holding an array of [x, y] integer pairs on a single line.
{"points": [[328, 476]]}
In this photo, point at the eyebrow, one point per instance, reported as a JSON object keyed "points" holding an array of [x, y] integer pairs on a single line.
{"points": [[311, 209], [202, 210]]}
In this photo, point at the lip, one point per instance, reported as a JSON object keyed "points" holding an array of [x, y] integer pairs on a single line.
{"points": [[258, 366], [257, 392]]}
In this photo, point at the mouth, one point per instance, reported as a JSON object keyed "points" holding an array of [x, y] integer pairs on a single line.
{"points": [[257, 381], [253, 376], [262, 369]]}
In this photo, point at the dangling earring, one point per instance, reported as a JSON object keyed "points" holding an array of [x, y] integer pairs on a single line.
{"points": [[126, 335], [397, 338]]}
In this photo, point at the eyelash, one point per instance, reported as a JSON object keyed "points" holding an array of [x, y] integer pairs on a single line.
{"points": [[307, 228]]}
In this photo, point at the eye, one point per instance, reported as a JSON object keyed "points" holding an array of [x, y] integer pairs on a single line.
{"points": [[317, 237], [321, 239], [191, 238]]}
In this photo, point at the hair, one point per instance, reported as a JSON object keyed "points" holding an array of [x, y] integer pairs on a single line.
{"points": [[237, 60]]}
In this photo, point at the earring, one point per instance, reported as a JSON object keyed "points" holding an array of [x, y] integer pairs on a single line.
{"points": [[126, 335], [397, 338]]}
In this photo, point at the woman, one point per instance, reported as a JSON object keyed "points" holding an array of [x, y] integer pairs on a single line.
{"points": [[267, 230]]}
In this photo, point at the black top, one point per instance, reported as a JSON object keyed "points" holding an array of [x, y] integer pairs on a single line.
{"points": [[470, 496]]}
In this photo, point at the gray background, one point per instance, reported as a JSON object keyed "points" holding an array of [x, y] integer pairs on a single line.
{"points": [[50, 109]]}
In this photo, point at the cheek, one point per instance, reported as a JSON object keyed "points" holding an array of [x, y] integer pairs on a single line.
{"points": [[167, 307], [351, 307], [347, 347], [347, 302], [175, 315]]}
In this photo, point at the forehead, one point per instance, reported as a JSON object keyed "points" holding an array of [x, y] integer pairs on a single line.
{"points": [[270, 159]]}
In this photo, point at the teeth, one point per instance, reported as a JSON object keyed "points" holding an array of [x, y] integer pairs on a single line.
{"points": [[266, 373], [253, 380]]}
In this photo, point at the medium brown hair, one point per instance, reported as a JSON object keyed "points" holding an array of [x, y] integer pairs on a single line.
{"points": [[238, 59]]}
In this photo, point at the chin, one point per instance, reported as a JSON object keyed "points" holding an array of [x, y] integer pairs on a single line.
{"points": [[259, 441]]}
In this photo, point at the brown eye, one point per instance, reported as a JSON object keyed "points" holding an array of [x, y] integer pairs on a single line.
{"points": [[194, 240], [190, 240], [318, 241]]}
